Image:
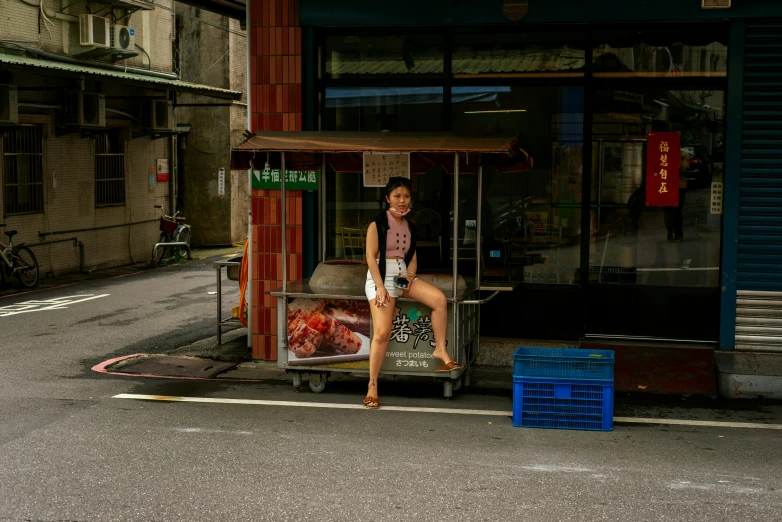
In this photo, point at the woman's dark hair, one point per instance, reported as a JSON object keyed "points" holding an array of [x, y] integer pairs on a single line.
{"points": [[396, 182]]}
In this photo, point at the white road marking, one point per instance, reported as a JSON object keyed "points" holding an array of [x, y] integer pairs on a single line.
{"points": [[710, 424], [205, 430], [59, 303], [414, 409]]}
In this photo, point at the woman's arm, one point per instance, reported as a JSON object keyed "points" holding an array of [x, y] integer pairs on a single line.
{"points": [[412, 268], [372, 255]]}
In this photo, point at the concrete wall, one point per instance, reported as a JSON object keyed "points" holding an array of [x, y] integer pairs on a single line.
{"points": [[204, 58], [154, 29], [69, 193], [240, 186]]}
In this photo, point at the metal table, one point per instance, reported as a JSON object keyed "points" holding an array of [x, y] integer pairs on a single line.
{"points": [[232, 265]]}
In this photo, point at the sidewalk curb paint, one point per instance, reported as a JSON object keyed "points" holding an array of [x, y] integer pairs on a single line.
{"points": [[102, 368]]}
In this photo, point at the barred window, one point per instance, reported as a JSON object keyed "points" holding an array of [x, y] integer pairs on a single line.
{"points": [[23, 170], [109, 169]]}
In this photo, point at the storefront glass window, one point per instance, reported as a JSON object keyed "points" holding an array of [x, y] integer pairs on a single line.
{"points": [[683, 52], [517, 55], [531, 220], [372, 56], [377, 109], [632, 243]]}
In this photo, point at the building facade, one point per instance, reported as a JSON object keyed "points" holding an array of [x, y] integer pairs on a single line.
{"points": [[595, 261], [88, 96]]}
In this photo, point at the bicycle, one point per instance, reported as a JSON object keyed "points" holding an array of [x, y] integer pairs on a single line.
{"points": [[18, 261], [173, 230]]}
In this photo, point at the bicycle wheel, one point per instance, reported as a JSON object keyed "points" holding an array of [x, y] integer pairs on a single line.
{"points": [[161, 251], [26, 266], [182, 236]]}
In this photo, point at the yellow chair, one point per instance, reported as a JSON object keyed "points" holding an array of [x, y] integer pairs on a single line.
{"points": [[355, 241]]}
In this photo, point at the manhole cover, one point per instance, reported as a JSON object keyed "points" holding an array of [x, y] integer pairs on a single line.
{"points": [[178, 367]]}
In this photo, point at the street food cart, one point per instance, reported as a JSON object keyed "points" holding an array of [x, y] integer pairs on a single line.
{"points": [[327, 316]]}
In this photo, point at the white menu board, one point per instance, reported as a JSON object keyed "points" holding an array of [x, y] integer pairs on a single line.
{"points": [[380, 166]]}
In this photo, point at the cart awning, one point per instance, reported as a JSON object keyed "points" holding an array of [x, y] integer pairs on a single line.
{"points": [[344, 151]]}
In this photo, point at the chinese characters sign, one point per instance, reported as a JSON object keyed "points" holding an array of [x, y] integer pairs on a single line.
{"points": [[379, 167], [296, 180], [412, 340], [662, 169]]}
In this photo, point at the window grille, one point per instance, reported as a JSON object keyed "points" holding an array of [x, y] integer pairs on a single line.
{"points": [[109, 169], [23, 170]]}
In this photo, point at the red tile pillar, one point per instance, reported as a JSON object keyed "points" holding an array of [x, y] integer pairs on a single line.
{"points": [[275, 75]]}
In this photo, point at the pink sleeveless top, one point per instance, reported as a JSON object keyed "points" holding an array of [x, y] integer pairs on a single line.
{"points": [[398, 239]]}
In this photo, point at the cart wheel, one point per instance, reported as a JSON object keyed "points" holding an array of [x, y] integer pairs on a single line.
{"points": [[457, 384], [318, 382], [447, 388], [466, 377], [296, 381]]}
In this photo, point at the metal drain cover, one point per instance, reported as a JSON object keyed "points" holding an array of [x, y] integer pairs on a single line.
{"points": [[178, 367]]}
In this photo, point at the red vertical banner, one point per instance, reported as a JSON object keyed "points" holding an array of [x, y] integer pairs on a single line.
{"points": [[662, 169]]}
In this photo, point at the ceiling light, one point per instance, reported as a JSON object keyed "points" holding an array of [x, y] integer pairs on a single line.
{"points": [[499, 110]]}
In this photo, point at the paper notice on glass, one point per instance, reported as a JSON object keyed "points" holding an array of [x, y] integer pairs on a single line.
{"points": [[379, 167]]}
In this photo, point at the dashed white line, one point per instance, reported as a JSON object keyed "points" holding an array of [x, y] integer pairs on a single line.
{"points": [[414, 409]]}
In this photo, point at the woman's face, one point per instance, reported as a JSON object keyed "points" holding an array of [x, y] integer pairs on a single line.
{"points": [[399, 198]]}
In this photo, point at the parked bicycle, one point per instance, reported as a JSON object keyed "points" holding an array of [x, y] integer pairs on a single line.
{"points": [[173, 230], [17, 261]]}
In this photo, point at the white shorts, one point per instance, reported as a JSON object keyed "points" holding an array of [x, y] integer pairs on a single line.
{"points": [[394, 267]]}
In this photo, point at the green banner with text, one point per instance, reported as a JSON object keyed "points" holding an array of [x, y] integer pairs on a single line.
{"points": [[295, 180]]}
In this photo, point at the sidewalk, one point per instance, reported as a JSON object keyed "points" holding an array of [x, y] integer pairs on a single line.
{"points": [[53, 281]]}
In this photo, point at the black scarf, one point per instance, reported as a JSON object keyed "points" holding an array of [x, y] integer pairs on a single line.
{"points": [[381, 222]]}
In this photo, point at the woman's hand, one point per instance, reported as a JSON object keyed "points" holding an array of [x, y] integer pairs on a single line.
{"points": [[381, 297]]}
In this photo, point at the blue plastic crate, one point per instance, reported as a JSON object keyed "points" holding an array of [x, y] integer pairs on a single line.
{"points": [[558, 403], [564, 363]]}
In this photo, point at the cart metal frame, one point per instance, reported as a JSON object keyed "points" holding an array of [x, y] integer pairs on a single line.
{"points": [[465, 334]]}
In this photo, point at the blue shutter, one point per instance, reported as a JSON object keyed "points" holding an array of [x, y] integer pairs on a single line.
{"points": [[759, 275], [760, 199]]}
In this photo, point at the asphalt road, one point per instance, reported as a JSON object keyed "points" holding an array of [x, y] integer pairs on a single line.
{"points": [[70, 450]]}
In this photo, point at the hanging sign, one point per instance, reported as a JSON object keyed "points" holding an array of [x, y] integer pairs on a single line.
{"points": [[296, 180], [662, 169], [162, 171], [379, 167], [221, 182]]}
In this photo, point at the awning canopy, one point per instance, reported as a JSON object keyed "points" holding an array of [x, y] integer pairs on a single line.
{"points": [[98, 73], [343, 150]]}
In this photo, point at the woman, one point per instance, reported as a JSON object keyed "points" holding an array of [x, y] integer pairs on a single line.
{"points": [[391, 252]]}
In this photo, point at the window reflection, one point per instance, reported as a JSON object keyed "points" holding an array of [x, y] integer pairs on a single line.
{"points": [[530, 221], [383, 56], [687, 52], [518, 55], [632, 243], [376, 109]]}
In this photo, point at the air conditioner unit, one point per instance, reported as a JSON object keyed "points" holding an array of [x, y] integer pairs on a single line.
{"points": [[93, 31], [158, 115], [9, 104], [123, 37], [85, 109], [715, 4]]}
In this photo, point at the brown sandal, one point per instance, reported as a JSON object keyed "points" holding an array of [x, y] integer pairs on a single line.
{"points": [[371, 402], [453, 365]]}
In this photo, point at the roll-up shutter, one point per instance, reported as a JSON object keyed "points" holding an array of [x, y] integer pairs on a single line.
{"points": [[759, 277]]}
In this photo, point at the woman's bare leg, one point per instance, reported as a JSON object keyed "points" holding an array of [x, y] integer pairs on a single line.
{"points": [[434, 298], [382, 316]]}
